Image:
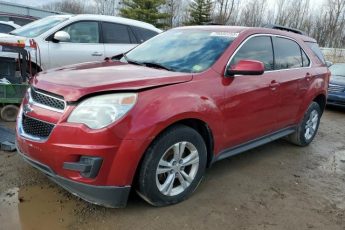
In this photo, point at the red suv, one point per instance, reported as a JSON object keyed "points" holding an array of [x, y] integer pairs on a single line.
{"points": [[158, 117]]}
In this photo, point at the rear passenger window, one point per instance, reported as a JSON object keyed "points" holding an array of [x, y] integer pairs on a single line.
{"points": [[287, 54], [5, 28], [115, 33], [143, 34], [257, 48]]}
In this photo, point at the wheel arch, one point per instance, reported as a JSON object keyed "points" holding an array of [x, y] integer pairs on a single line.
{"points": [[197, 124], [321, 100]]}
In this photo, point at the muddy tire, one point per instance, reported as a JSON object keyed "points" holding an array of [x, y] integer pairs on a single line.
{"points": [[9, 112], [307, 129], [173, 166]]}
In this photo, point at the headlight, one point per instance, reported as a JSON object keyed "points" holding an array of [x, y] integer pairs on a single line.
{"points": [[99, 111]]}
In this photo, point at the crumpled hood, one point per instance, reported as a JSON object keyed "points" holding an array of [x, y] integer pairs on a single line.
{"points": [[338, 80], [76, 81]]}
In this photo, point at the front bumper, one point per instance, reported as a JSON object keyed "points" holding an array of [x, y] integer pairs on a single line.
{"points": [[108, 196], [337, 99]]}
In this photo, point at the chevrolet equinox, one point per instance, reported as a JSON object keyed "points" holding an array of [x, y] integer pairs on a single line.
{"points": [[156, 117]]}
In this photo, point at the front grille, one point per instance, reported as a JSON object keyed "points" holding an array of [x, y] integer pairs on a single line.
{"points": [[36, 128], [47, 100], [336, 88]]}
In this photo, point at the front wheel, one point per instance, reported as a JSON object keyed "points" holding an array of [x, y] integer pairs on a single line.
{"points": [[307, 129], [173, 166]]}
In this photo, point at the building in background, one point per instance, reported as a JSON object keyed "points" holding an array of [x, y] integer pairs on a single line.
{"points": [[21, 14]]}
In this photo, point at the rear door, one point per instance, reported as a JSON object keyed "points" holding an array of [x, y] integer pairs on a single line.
{"points": [[292, 68], [117, 38], [251, 101], [84, 45]]}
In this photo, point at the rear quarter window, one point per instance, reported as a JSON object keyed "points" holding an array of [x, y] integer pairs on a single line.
{"points": [[316, 50]]}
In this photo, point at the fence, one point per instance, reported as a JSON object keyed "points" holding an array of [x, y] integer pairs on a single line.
{"points": [[334, 55]]}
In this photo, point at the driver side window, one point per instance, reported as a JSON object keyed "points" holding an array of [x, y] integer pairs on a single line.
{"points": [[257, 48], [83, 32]]}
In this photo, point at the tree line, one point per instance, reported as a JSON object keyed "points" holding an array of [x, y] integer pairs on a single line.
{"points": [[325, 23]]}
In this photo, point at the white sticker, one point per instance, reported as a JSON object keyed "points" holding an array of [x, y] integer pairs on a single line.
{"points": [[224, 34]]}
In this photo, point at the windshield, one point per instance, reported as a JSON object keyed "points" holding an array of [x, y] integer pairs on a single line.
{"points": [[338, 69], [38, 27], [188, 51]]}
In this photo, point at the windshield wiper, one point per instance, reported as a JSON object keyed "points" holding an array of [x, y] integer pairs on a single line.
{"points": [[131, 61], [157, 65]]}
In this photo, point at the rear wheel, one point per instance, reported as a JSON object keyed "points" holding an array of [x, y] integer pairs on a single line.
{"points": [[173, 166], [307, 129], [9, 112]]}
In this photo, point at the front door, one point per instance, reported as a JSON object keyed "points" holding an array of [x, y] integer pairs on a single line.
{"points": [[84, 45], [251, 101]]}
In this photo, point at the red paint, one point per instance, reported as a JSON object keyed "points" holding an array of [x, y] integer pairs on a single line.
{"points": [[236, 109]]}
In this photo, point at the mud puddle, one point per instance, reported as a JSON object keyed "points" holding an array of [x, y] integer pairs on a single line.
{"points": [[36, 207]]}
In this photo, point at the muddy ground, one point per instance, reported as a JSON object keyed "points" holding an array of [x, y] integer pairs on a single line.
{"points": [[276, 186]]}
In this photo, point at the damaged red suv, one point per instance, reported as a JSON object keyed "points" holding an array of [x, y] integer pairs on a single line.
{"points": [[155, 119]]}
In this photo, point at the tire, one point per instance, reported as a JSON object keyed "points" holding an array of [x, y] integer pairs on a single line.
{"points": [[161, 165], [9, 112], [311, 121]]}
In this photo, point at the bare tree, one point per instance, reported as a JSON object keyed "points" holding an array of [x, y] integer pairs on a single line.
{"points": [[224, 9], [253, 14], [107, 7], [173, 8], [67, 6]]}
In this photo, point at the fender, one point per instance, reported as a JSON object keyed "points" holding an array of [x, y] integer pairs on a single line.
{"points": [[147, 124], [317, 87]]}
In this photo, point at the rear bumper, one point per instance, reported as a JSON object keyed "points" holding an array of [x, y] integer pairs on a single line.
{"points": [[337, 99], [108, 196]]}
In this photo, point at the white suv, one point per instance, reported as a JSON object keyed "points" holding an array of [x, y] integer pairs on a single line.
{"points": [[6, 27], [70, 39]]}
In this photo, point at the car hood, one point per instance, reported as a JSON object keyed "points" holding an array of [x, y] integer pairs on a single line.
{"points": [[76, 81], [9, 38], [338, 80]]}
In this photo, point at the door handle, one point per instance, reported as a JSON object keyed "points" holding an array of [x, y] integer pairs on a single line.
{"points": [[274, 85], [308, 77], [96, 54]]}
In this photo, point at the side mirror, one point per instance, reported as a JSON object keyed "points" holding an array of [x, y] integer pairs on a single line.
{"points": [[246, 67], [62, 36], [329, 63]]}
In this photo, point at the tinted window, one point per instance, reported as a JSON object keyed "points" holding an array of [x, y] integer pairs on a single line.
{"points": [[316, 49], [305, 59], [287, 54], [83, 32], [115, 33], [143, 34], [5, 28], [256, 48]]}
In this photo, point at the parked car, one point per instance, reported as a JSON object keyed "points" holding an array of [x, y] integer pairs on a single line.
{"points": [[6, 27], [336, 89], [68, 39], [169, 108], [17, 19]]}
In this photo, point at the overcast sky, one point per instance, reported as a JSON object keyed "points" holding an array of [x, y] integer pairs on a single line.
{"points": [[37, 3]]}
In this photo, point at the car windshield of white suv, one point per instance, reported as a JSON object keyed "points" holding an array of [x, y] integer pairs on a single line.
{"points": [[38, 27], [190, 51], [338, 70]]}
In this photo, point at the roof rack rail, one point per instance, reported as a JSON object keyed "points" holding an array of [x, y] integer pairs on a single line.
{"points": [[285, 28]]}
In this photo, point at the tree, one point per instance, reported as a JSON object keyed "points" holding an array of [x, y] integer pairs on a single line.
{"points": [[225, 9], [173, 9], [200, 12], [145, 10], [67, 6]]}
